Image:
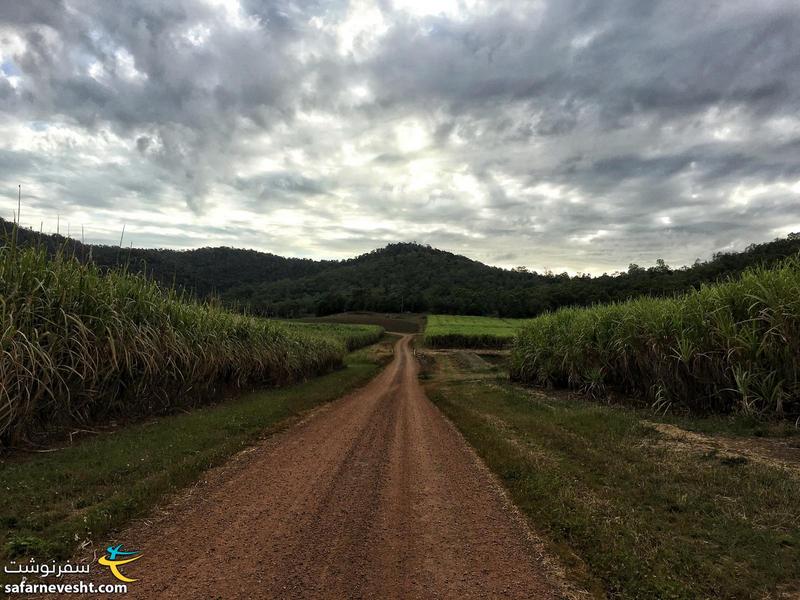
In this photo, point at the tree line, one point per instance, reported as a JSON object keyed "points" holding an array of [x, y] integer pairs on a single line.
{"points": [[400, 277]]}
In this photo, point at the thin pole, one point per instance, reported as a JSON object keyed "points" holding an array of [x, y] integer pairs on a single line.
{"points": [[120, 242]]}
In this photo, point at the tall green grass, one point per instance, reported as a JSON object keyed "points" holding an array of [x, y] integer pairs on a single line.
{"points": [[81, 346], [730, 347], [454, 331]]}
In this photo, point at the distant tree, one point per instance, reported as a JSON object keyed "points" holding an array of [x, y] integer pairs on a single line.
{"points": [[331, 303], [660, 267], [633, 269]]}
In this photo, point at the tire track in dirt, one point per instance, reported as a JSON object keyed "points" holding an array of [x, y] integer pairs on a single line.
{"points": [[373, 496]]}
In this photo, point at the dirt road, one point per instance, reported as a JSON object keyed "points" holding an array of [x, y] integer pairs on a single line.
{"points": [[373, 496]]}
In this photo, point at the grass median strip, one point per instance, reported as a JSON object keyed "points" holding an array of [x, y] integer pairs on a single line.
{"points": [[50, 502], [631, 515]]}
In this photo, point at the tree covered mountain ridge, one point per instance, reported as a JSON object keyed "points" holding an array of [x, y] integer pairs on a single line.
{"points": [[404, 276]]}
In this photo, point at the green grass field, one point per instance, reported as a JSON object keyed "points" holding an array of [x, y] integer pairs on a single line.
{"points": [[631, 512], [454, 331]]}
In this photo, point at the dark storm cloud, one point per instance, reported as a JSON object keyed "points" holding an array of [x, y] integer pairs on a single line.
{"points": [[583, 134], [621, 58]]}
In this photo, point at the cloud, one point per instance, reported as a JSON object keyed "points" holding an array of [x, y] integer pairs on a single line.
{"points": [[321, 128]]}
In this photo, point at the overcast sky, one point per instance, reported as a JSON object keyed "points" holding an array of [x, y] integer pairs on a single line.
{"points": [[563, 134]]}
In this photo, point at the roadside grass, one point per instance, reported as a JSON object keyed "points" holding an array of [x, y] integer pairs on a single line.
{"points": [[456, 331], [51, 502], [735, 424], [730, 425], [630, 517]]}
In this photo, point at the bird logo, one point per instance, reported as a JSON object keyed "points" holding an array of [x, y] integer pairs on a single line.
{"points": [[112, 561]]}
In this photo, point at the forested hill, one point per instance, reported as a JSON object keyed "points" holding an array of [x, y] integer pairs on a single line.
{"points": [[419, 278], [403, 276], [204, 271]]}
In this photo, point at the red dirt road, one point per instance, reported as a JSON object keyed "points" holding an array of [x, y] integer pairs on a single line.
{"points": [[373, 496]]}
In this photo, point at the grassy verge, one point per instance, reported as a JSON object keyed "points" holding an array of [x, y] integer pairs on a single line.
{"points": [[455, 331], [50, 502], [734, 425], [631, 515]]}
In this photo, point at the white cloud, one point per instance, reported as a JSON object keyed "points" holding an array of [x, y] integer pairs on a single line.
{"points": [[360, 31]]}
